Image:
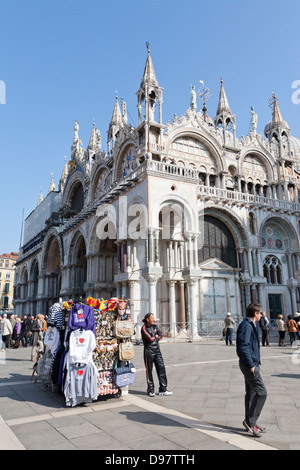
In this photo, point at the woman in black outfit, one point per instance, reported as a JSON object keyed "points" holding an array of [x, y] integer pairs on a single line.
{"points": [[152, 355]]}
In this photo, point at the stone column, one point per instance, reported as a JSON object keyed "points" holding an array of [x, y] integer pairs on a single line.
{"points": [[250, 267], [131, 297], [289, 265], [156, 247], [172, 307], [150, 248], [152, 281], [227, 294], [193, 326], [182, 318], [129, 260]]}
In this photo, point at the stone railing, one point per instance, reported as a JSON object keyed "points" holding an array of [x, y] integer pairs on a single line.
{"points": [[212, 193]]}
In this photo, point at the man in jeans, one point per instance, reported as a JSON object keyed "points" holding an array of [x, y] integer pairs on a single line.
{"points": [[248, 350]]}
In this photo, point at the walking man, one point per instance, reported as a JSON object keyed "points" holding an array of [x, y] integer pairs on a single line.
{"points": [[229, 322], [248, 351], [265, 325]]}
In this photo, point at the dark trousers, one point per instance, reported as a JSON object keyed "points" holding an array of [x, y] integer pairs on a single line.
{"points": [[256, 394], [265, 337], [293, 337], [229, 333], [5, 339], [155, 357]]}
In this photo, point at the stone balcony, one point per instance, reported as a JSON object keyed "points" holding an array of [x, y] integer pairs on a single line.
{"points": [[226, 196]]}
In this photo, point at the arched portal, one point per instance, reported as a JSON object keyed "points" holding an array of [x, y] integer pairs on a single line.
{"points": [[53, 272]]}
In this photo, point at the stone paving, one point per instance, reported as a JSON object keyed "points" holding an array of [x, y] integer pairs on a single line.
{"points": [[205, 411]]}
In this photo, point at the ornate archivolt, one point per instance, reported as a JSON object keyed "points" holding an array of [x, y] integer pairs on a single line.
{"points": [[75, 180], [101, 182], [126, 160], [256, 166], [74, 246], [182, 208], [254, 169], [51, 237], [193, 147], [34, 268]]}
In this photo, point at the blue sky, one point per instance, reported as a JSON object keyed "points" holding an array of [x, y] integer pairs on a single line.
{"points": [[63, 61]]}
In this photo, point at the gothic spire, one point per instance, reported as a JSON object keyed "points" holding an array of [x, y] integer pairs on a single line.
{"points": [[41, 198], [223, 101], [149, 74], [276, 116], [116, 117], [277, 125], [52, 185]]}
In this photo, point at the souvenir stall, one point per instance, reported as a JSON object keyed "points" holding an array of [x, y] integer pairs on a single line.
{"points": [[109, 356], [88, 349]]}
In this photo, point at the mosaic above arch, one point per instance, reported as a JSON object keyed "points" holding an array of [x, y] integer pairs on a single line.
{"points": [[271, 238]]}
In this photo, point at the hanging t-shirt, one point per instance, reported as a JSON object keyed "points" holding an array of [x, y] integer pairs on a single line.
{"points": [[81, 383], [81, 345], [82, 316], [56, 316], [51, 339]]}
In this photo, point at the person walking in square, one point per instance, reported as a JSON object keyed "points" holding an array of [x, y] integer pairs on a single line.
{"points": [[265, 327], [229, 322], [281, 329], [292, 329], [248, 351], [6, 330]]}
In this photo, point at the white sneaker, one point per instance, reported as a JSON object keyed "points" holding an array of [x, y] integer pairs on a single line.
{"points": [[166, 393], [151, 394]]}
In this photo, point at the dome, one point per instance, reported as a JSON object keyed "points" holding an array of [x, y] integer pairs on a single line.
{"points": [[295, 147], [273, 125]]}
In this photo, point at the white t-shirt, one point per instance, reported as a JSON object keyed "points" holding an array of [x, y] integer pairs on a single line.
{"points": [[81, 345], [52, 339]]}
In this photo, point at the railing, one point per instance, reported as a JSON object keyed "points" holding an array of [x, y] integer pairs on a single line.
{"points": [[205, 329], [225, 194], [172, 169], [192, 330]]}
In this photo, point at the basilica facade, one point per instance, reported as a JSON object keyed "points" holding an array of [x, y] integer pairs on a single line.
{"points": [[184, 218]]}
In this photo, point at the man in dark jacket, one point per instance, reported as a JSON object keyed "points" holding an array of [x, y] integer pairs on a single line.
{"points": [[248, 351], [152, 355]]}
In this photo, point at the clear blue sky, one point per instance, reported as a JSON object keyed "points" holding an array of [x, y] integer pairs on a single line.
{"points": [[64, 60]]}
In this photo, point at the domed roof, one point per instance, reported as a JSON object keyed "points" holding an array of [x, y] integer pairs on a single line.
{"points": [[274, 124], [295, 146]]}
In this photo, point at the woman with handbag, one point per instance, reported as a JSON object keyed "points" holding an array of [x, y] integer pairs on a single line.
{"points": [[152, 355]]}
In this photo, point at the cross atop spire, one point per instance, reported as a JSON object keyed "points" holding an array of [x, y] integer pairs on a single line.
{"points": [[277, 126], [149, 74], [273, 103]]}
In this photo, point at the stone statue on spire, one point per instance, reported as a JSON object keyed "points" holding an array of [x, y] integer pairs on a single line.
{"points": [[193, 103], [253, 120], [124, 111]]}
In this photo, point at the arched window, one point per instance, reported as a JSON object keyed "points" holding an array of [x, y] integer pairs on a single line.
{"points": [[272, 270], [218, 242], [77, 198], [252, 223]]}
